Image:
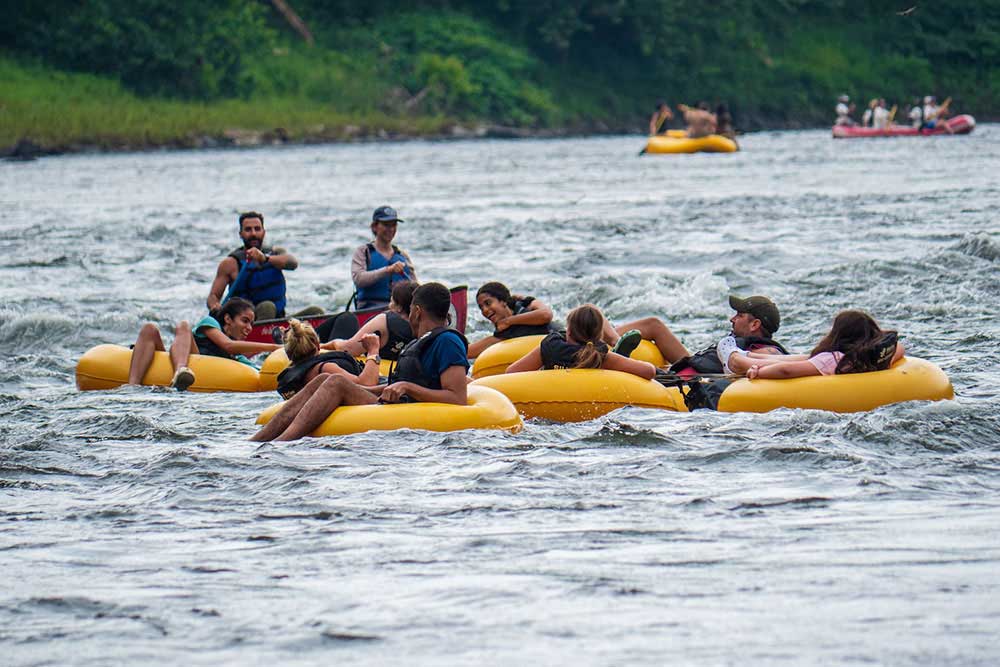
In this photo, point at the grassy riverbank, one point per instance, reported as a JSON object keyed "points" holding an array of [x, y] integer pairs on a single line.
{"points": [[109, 74], [62, 111]]}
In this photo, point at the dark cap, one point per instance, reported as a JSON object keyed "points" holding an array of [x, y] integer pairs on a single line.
{"points": [[760, 307], [385, 214]]}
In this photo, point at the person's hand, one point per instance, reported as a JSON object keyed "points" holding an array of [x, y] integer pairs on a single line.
{"points": [[397, 267], [256, 255], [393, 392], [371, 344], [753, 372], [502, 324]]}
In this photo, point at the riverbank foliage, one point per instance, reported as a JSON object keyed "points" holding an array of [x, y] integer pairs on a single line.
{"points": [[153, 71]]}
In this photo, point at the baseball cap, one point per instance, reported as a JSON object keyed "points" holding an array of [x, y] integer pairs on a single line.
{"points": [[760, 307], [385, 214]]}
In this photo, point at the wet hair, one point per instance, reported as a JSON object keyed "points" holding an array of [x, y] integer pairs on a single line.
{"points": [[301, 341], [660, 104], [585, 324], [435, 298], [856, 334], [251, 214], [497, 291], [402, 295], [232, 308], [703, 106]]}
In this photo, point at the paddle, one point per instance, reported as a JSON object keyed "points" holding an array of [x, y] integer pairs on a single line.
{"points": [[656, 130], [237, 285], [673, 379]]}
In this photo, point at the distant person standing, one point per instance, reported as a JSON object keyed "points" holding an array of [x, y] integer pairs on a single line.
{"points": [[661, 116], [868, 117], [844, 110], [701, 122], [378, 265], [724, 122], [916, 115], [881, 116]]}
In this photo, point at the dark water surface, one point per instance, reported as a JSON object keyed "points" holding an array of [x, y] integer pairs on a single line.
{"points": [[139, 526]]}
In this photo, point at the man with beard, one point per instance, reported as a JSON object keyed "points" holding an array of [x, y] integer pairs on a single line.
{"points": [[254, 272]]}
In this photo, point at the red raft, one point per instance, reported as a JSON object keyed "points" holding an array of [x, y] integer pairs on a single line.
{"points": [[263, 330], [958, 125]]}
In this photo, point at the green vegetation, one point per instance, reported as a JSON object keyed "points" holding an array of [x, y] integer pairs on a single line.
{"points": [[114, 73]]}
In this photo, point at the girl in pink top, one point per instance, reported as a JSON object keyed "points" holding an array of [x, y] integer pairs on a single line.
{"points": [[855, 344]]}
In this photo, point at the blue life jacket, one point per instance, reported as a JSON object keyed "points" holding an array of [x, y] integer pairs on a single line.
{"points": [[381, 290], [261, 283]]}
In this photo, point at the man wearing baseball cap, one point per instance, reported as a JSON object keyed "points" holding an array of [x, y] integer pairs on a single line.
{"points": [[377, 266], [755, 322]]}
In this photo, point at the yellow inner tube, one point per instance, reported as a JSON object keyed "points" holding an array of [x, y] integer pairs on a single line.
{"points": [[106, 367], [277, 361], [486, 409], [910, 379], [713, 143], [580, 394], [495, 359]]}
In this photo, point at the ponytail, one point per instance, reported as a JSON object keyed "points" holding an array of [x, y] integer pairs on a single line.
{"points": [[301, 341], [586, 324]]}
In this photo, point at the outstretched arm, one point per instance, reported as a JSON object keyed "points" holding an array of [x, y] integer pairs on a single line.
{"points": [[230, 346], [782, 370], [529, 362], [476, 348], [616, 362]]}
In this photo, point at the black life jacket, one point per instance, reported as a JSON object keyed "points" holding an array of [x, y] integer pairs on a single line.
{"points": [[293, 378], [408, 368], [400, 334], [707, 361], [557, 352], [519, 330], [210, 349]]}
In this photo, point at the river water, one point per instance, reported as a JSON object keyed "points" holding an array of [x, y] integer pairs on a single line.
{"points": [[139, 526]]}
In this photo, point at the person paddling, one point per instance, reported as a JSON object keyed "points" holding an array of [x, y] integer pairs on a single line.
{"points": [[378, 265], [661, 115], [255, 272], [701, 122]]}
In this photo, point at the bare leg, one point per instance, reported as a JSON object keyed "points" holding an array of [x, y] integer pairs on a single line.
{"points": [[180, 349], [608, 333], [302, 413], [148, 342], [652, 328]]}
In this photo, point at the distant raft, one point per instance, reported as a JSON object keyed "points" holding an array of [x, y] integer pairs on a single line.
{"points": [[963, 124], [581, 394], [486, 409], [713, 143], [495, 359], [106, 367]]}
